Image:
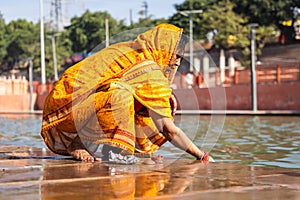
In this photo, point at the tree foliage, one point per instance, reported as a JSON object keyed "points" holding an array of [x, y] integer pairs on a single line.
{"points": [[229, 28], [183, 21], [21, 41], [267, 12], [227, 19], [2, 40], [87, 31]]}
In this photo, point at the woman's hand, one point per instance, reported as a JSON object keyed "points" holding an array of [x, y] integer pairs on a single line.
{"points": [[211, 159], [205, 158]]}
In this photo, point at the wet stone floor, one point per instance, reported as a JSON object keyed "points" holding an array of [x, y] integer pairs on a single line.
{"points": [[38, 174]]}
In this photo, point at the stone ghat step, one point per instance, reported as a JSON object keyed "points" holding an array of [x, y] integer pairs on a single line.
{"points": [[28, 173]]}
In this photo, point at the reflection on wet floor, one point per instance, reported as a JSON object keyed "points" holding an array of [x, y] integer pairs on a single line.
{"points": [[250, 140], [257, 158], [36, 174]]}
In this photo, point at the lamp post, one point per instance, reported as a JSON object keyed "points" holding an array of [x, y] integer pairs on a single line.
{"points": [[52, 38], [106, 32], [31, 104], [43, 73], [189, 14], [253, 64]]}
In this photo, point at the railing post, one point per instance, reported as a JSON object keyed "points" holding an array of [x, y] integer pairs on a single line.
{"points": [[31, 102], [236, 76], [257, 75], [278, 73], [13, 84], [182, 80], [299, 71], [199, 79], [217, 79]]}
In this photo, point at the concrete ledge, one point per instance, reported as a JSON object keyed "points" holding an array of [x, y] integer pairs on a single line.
{"points": [[28, 173], [195, 112], [35, 112], [238, 112]]}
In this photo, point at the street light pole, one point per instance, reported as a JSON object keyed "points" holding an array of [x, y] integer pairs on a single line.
{"points": [[106, 32], [43, 73], [189, 14], [31, 104], [191, 43], [52, 37], [54, 58], [253, 65]]}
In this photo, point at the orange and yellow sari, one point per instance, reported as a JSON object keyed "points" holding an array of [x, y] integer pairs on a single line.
{"points": [[97, 98]]}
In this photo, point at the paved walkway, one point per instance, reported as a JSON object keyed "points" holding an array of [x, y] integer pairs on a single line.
{"points": [[38, 174]]}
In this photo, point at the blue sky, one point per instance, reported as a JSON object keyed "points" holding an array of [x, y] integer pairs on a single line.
{"points": [[119, 9]]}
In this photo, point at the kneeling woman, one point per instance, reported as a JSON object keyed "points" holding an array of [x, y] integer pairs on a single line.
{"points": [[119, 97]]}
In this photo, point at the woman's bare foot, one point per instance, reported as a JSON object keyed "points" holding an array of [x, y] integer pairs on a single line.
{"points": [[148, 161], [79, 152], [157, 159]]}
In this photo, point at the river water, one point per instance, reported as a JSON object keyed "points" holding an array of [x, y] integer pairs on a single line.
{"points": [[250, 140]]}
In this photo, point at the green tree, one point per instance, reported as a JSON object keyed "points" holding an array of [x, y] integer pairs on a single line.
{"points": [[22, 41], [87, 31], [2, 40], [183, 21], [267, 12], [148, 22], [230, 29], [62, 48]]}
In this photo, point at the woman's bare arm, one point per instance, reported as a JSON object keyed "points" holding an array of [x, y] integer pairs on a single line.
{"points": [[173, 103], [176, 136]]}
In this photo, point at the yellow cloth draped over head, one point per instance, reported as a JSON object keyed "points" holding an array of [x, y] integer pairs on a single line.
{"points": [[96, 99]]}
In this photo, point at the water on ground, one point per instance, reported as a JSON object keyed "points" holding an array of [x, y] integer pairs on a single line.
{"points": [[250, 140]]}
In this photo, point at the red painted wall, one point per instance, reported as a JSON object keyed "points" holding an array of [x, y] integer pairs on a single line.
{"points": [[275, 96], [16, 103], [280, 96]]}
